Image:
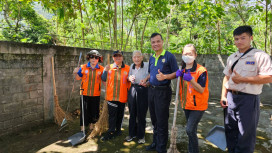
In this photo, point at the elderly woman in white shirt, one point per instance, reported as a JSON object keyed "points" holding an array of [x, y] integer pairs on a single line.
{"points": [[137, 98]]}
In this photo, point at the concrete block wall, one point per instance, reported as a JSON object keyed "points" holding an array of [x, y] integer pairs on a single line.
{"points": [[26, 87], [21, 91]]}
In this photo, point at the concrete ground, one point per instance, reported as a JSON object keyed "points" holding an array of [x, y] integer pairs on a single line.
{"points": [[47, 138]]}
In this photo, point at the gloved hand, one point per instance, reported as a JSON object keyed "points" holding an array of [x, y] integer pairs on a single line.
{"points": [[179, 73], [187, 76]]}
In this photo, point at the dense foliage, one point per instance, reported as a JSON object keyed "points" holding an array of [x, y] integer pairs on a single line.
{"points": [[128, 24]]}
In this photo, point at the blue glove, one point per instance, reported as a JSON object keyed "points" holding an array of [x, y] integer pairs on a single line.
{"points": [[179, 73], [187, 76]]}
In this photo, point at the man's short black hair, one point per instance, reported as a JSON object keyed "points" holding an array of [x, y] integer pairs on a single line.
{"points": [[155, 34], [243, 29]]}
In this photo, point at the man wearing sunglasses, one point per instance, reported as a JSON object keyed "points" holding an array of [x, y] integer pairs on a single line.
{"points": [[117, 91], [90, 76]]}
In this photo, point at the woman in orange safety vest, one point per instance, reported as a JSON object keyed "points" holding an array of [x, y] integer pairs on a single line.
{"points": [[194, 93], [90, 76], [116, 75]]}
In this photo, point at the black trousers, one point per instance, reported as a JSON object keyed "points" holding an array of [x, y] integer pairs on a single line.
{"points": [[138, 105], [91, 109], [241, 121], [158, 102], [116, 115]]}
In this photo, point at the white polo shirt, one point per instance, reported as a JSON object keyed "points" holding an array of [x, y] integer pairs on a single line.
{"points": [[140, 73]]}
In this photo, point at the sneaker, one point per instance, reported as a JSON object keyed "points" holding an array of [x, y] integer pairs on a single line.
{"points": [[141, 141], [107, 136], [129, 138]]}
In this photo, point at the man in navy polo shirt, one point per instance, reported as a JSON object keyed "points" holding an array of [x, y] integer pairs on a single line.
{"points": [[162, 68]]}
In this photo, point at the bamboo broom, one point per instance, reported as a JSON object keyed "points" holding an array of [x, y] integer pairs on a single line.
{"points": [[173, 146], [102, 124], [59, 113]]}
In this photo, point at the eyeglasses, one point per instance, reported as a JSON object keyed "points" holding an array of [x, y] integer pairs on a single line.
{"points": [[117, 55], [96, 57]]}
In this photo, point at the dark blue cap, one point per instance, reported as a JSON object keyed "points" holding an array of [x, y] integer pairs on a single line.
{"points": [[117, 52]]}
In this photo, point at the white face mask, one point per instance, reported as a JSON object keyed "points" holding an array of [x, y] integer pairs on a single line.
{"points": [[188, 59]]}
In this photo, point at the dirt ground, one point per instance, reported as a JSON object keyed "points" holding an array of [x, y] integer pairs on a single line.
{"points": [[47, 138]]}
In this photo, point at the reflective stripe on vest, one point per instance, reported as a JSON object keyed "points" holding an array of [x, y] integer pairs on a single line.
{"points": [[91, 80], [183, 85], [90, 91], [118, 84]]}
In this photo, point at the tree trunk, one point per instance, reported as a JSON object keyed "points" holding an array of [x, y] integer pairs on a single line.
{"points": [[109, 8], [218, 31], [168, 29], [239, 13], [101, 36], [133, 20], [81, 16], [5, 14], [142, 39], [100, 30], [219, 34], [136, 34], [18, 19], [115, 24], [89, 21], [122, 4]]}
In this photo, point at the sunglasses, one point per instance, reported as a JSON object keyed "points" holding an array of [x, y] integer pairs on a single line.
{"points": [[117, 55], [96, 57]]}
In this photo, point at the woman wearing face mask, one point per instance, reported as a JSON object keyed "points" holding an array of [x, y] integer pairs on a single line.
{"points": [[194, 93]]}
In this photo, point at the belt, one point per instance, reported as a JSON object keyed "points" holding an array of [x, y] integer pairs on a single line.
{"points": [[136, 85], [238, 92], [159, 87]]}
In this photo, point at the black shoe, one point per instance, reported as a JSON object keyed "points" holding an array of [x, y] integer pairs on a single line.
{"points": [[117, 133], [107, 136], [151, 147]]}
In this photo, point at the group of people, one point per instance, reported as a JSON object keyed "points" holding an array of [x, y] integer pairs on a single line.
{"points": [[147, 86]]}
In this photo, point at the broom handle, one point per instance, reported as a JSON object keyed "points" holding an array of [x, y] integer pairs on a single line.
{"points": [[108, 63], [76, 74], [82, 109], [53, 74], [74, 79], [176, 102]]}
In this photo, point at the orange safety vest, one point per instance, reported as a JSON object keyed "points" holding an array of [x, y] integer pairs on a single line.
{"points": [[118, 83], [91, 80], [191, 99]]}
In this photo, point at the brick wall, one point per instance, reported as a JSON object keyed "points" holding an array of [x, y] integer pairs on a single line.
{"points": [[26, 86]]}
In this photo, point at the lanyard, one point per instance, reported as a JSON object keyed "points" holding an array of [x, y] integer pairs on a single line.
{"points": [[232, 67]]}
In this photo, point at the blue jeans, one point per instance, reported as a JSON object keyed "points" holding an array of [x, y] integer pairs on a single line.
{"points": [[192, 117]]}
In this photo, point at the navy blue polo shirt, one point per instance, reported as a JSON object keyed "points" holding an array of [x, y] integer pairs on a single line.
{"points": [[167, 64]]}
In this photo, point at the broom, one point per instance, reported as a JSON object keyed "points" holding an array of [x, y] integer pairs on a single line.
{"points": [[173, 147], [102, 124], [64, 122], [59, 114]]}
